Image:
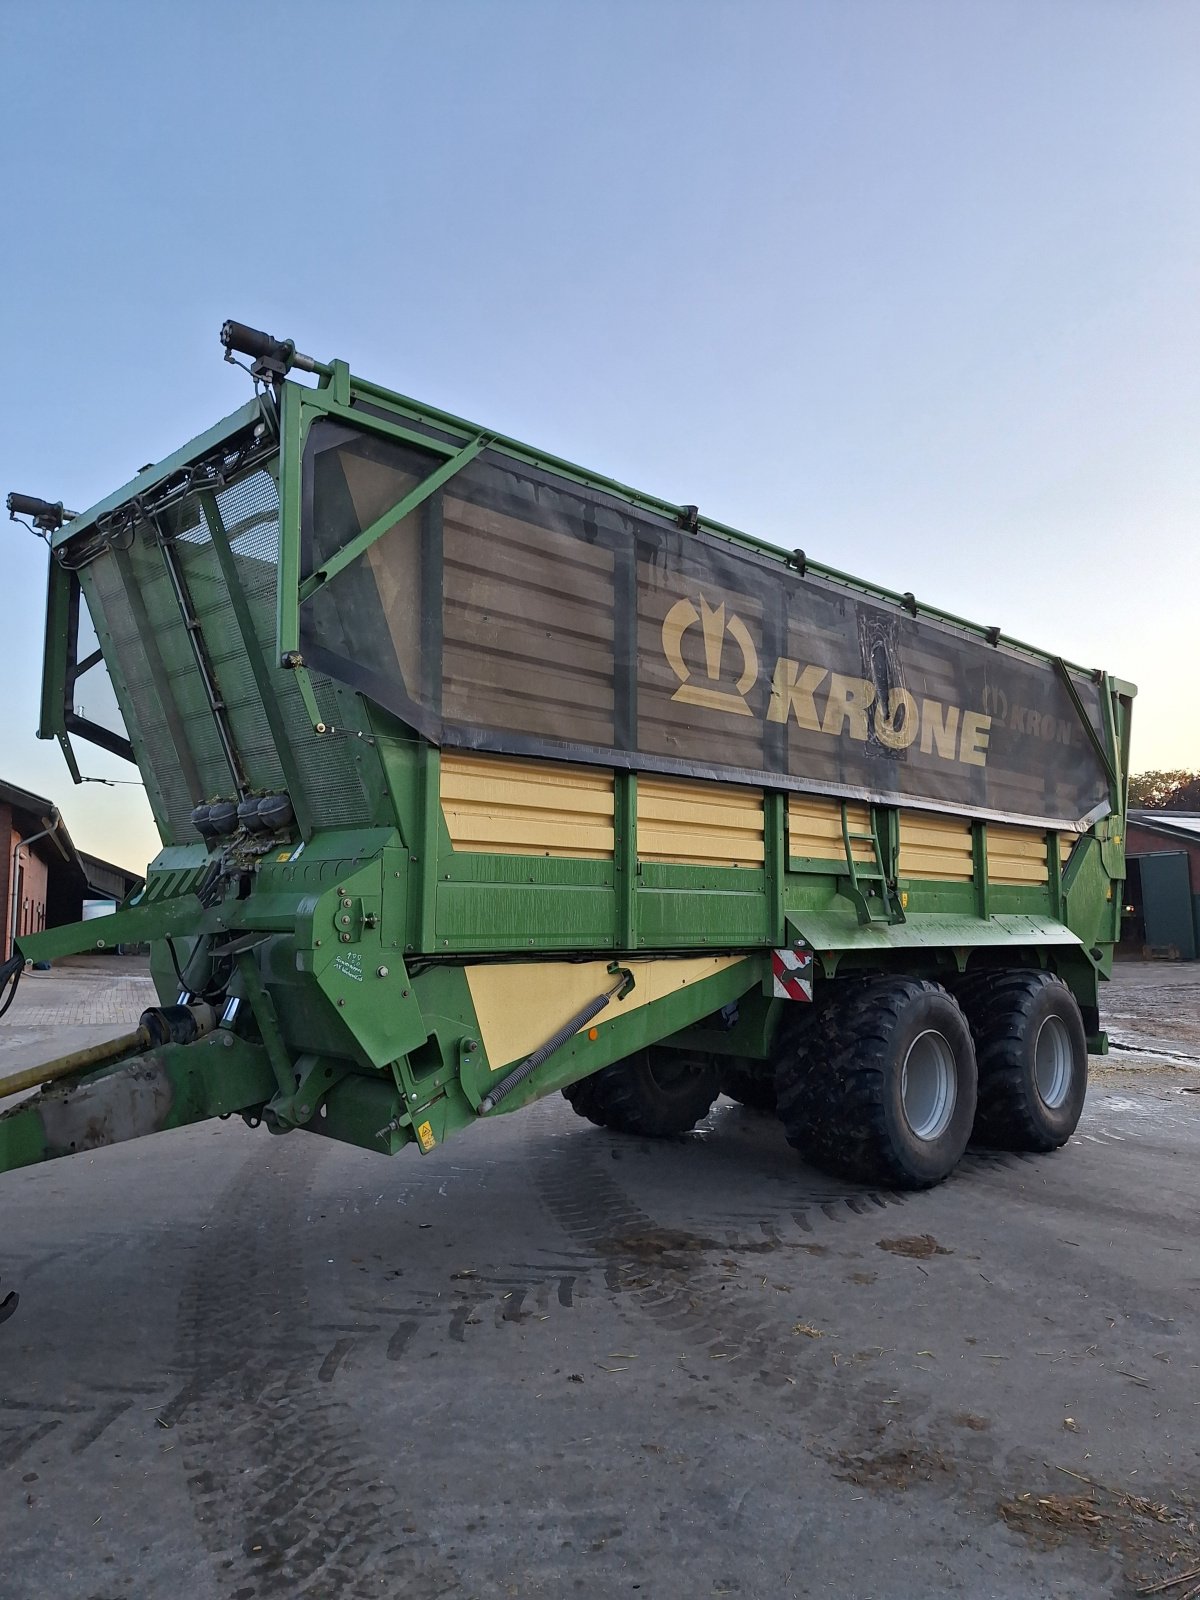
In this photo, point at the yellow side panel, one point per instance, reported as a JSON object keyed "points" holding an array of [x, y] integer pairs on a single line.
{"points": [[936, 847], [1016, 855], [527, 808], [703, 824], [815, 828], [521, 1004]]}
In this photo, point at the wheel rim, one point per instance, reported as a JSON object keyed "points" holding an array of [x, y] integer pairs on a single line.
{"points": [[929, 1085], [1052, 1062]]}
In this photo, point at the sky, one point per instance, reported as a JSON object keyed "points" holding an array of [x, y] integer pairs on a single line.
{"points": [[911, 284]]}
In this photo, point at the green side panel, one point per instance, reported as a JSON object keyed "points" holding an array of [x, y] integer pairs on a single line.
{"points": [[841, 930], [1092, 906], [505, 902], [941, 899], [687, 907]]}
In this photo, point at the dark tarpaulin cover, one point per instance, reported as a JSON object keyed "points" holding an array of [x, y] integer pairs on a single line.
{"points": [[517, 611]]}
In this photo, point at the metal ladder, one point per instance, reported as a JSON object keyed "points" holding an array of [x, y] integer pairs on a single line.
{"points": [[859, 874]]}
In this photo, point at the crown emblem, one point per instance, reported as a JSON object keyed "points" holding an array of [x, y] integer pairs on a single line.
{"points": [[714, 625]]}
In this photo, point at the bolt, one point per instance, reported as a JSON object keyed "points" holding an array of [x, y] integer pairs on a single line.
{"points": [[227, 1039], [341, 1002], [470, 1044], [341, 891], [383, 971], [345, 938], [413, 1095], [404, 994], [304, 1110], [346, 903], [316, 944]]}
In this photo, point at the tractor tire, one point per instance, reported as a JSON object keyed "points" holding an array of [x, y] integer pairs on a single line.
{"points": [[882, 1088], [751, 1083], [655, 1093], [1031, 1047]]}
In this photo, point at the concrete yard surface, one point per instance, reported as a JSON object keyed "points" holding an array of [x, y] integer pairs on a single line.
{"points": [[549, 1361]]}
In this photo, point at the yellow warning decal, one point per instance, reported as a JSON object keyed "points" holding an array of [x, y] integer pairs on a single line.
{"points": [[425, 1136]]}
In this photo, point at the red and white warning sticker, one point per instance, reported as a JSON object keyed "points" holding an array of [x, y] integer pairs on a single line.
{"points": [[791, 974]]}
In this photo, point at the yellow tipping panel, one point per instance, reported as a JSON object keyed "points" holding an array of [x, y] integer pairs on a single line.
{"points": [[1016, 855], [935, 847], [499, 806], [703, 824], [815, 829], [521, 1004]]}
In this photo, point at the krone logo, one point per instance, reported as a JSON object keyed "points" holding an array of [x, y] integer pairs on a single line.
{"points": [[714, 625]]}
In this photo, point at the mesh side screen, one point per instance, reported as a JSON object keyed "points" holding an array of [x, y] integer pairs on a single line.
{"points": [[105, 593], [378, 598], [227, 657], [249, 510], [147, 570], [131, 595]]}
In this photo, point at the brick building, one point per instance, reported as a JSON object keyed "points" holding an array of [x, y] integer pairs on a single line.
{"points": [[44, 880], [1162, 885]]}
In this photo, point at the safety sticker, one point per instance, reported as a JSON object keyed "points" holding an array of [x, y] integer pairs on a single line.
{"points": [[791, 974]]}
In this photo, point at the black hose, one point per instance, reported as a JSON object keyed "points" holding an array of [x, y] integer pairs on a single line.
{"points": [[170, 943], [10, 973]]}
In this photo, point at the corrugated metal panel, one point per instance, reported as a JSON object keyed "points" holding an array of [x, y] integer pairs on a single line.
{"points": [[1178, 823], [938, 848], [1016, 855], [527, 808], [815, 829], [704, 824]]}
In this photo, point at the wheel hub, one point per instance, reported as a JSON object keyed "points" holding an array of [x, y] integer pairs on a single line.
{"points": [[1052, 1064], [929, 1085]]}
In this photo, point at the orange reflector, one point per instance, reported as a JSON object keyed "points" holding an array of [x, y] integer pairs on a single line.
{"points": [[593, 1033]]}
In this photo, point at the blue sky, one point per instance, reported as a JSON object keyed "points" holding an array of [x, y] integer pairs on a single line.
{"points": [[911, 285]]}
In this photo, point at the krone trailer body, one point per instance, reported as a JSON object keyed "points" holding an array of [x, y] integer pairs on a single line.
{"points": [[480, 777]]}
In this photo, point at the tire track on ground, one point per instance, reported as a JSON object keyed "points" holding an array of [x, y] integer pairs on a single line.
{"points": [[670, 1274], [287, 1497], [915, 1443]]}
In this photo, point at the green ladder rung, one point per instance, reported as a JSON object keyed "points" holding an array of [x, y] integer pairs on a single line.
{"points": [[868, 873]]}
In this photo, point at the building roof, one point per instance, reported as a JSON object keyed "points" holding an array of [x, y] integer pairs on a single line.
{"points": [[1181, 825], [39, 810]]}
